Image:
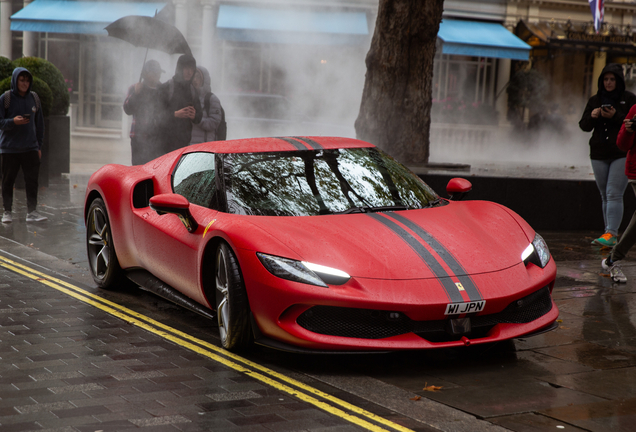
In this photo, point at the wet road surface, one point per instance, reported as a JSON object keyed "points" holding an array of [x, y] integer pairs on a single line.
{"points": [[69, 365]]}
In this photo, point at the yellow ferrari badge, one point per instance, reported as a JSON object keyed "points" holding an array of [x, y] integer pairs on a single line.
{"points": [[208, 227]]}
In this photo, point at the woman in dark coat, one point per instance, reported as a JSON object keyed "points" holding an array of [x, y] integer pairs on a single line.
{"points": [[604, 115]]}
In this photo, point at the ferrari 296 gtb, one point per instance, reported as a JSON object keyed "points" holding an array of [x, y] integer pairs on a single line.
{"points": [[316, 244]]}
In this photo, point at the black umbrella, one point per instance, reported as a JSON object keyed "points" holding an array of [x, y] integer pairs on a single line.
{"points": [[149, 32]]}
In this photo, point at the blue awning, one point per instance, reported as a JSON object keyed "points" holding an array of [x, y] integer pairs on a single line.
{"points": [[480, 39], [68, 16], [269, 25]]}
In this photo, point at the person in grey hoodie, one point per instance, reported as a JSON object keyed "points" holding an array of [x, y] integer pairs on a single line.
{"points": [[206, 130], [21, 137]]}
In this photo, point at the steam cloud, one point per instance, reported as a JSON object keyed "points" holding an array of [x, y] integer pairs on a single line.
{"points": [[324, 84]]}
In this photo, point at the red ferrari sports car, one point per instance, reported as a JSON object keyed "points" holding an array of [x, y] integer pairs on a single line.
{"points": [[318, 244]]}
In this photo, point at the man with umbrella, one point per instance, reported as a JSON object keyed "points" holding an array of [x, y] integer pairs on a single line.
{"points": [[141, 102], [180, 105]]}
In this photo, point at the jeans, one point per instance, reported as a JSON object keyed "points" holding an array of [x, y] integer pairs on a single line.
{"points": [[612, 182]]}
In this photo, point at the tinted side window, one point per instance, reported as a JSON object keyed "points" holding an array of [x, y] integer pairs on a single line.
{"points": [[194, 178]]}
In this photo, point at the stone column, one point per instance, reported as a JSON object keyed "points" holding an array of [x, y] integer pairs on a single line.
{"points": [[5, 29], [600, 60], [503, 77], [533, 13], [208, 27], [181, 16], [29, 40]]}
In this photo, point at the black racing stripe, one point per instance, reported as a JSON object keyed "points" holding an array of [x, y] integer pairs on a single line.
{"points": [[311, 142], [451, 289], [445, 254], [296, 144]]}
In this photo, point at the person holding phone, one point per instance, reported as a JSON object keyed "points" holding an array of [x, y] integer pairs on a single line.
{"points": [[179, 106], [603, 116], [625, 142], [21, 138]]}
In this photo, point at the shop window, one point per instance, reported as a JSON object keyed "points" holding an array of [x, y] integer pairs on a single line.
{"points": [[245, 68], [101, 94], [323, 82], [464, 90], [63, 50], [630, 77]]}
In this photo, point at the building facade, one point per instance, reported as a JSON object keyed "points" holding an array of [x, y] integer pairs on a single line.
{"points": [[568, 52], [312, 52], [305, 50]]}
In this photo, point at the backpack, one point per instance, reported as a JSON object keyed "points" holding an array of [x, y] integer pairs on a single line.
{"points": [[221, 130], [7, 99]]}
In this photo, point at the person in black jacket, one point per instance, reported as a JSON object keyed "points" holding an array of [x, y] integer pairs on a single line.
{"points": [[179, 105], [604, 115]]}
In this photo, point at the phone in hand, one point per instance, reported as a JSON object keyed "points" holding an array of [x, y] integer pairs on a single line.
{"points": [[26, 116], [606, 107]]}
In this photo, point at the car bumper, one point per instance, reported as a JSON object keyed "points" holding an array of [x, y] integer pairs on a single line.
{"points": [[280, 309]]}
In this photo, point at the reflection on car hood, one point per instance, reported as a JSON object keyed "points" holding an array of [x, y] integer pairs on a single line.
{"points": [[459, 238]]}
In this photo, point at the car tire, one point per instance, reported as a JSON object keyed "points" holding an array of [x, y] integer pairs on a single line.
{"points": [[232, 306], [102, 258]]}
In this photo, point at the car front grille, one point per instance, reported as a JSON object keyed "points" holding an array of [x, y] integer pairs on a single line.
{"points": [[379, 324]]}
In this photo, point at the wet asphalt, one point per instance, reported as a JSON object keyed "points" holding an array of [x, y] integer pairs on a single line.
{"points": [[68, 365]]}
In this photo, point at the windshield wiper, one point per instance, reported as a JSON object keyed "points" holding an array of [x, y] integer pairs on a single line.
{"points": [[369, 209], [433, 203]]}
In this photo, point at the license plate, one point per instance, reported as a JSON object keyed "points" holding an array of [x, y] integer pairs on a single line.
{"points": [[467, 307]]}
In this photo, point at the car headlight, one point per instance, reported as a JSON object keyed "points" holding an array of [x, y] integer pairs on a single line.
{"points": [[301, 271], [537, 252]]}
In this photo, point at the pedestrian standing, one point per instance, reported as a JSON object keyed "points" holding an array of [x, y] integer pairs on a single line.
{"points": [[21, 137], [604, 115], [626, 143], [180, 106], [141, 102], [211, 118]]}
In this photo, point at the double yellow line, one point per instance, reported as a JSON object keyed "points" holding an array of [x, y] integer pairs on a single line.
{"points": [[319, 399]]}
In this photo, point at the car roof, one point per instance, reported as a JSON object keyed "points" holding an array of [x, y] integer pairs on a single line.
{"points": [[275, 144]]}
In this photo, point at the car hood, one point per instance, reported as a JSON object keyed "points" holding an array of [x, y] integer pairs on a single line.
{"points": [[460, 238]]}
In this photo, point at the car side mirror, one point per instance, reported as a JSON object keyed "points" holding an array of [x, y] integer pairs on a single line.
{"points": [[174, 204], [457, 188]]}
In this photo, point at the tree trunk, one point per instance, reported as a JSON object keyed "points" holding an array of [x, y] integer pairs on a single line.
{"points": [[395, 113]]}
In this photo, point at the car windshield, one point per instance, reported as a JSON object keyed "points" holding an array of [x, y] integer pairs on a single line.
{"points": [[318, 182]]}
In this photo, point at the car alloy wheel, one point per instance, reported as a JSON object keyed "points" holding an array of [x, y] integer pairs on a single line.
{"points": [[102, 258], [231, 301]]}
